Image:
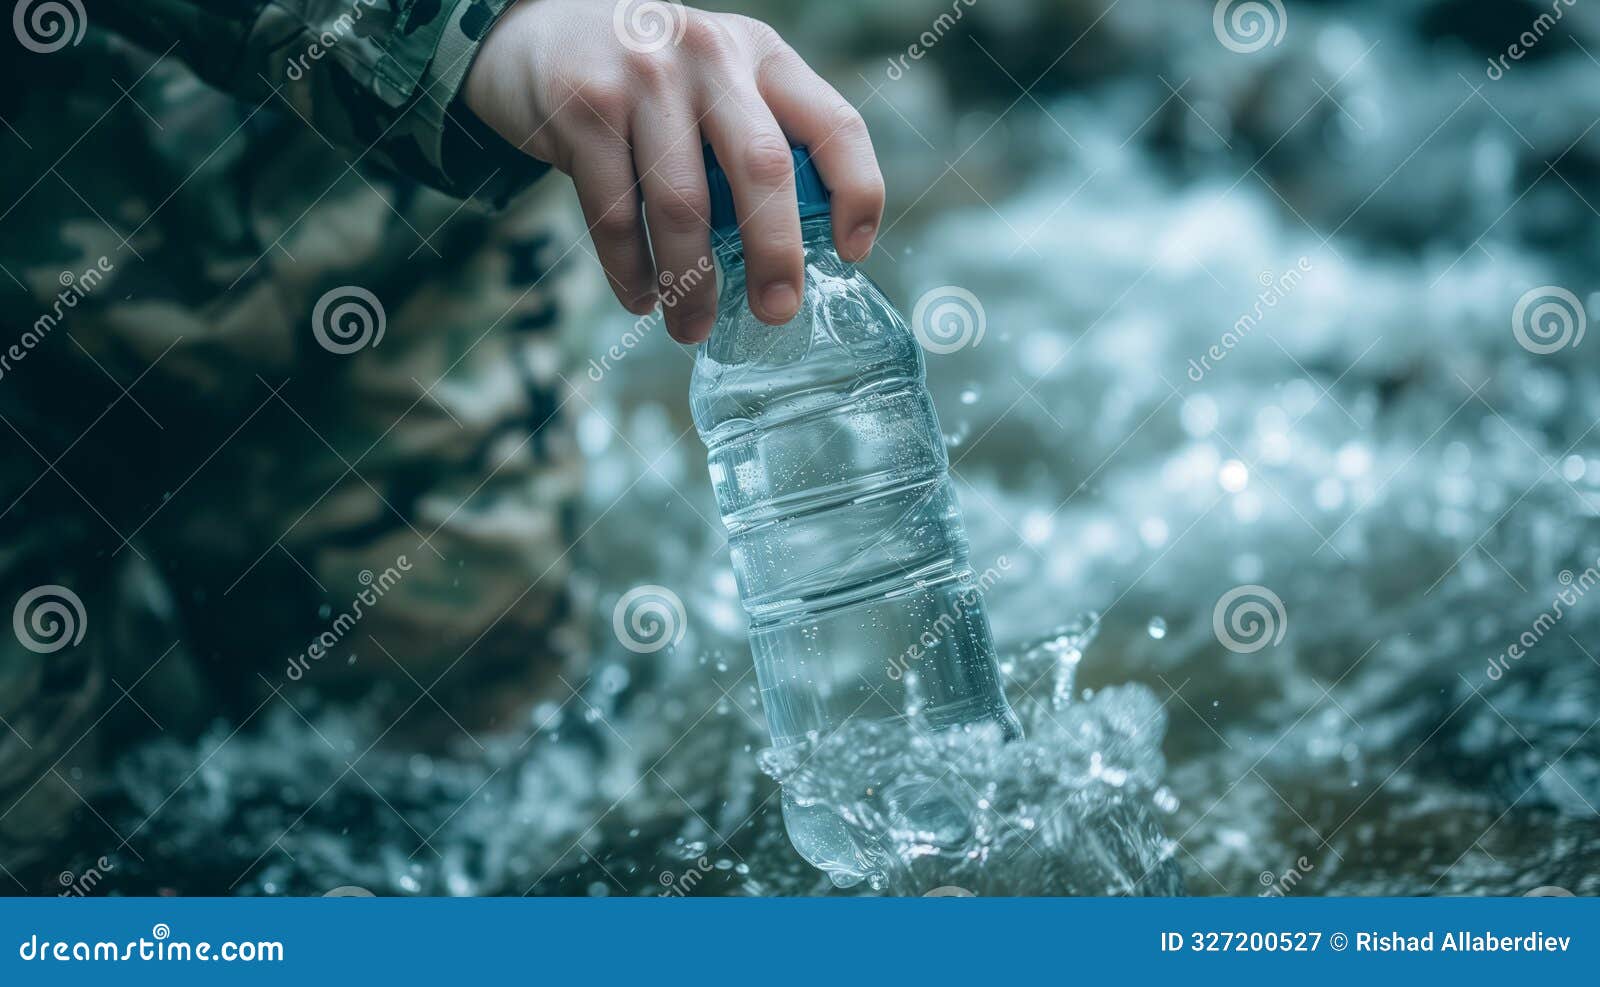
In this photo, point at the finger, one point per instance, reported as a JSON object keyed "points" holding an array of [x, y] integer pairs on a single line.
{"points": [[751, 148], [813, 113], [677, 207], [609, 196]]}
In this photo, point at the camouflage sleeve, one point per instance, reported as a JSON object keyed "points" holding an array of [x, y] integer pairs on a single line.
{"points": [[377, 78]]}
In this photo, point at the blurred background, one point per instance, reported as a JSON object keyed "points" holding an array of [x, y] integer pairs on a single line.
{"points": [[1280, 302]]}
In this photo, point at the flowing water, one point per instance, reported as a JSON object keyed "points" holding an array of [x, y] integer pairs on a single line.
{"points": [[1074, 809], [1310, 555]]}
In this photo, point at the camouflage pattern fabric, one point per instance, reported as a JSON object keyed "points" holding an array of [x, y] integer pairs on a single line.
{"points": [[280, 395]]}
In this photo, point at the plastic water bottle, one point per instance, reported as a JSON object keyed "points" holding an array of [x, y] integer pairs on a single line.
{"points": [[831, 476]]}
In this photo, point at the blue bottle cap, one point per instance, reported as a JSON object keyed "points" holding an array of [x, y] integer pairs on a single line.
{"points": [[812, 194]]}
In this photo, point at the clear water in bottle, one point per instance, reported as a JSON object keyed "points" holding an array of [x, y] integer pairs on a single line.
{"points": [[831, 476]]}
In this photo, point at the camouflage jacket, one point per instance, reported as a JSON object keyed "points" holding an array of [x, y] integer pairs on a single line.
{"points": [[378, 78]]}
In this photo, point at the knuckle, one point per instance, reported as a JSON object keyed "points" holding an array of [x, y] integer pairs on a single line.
{"points": [[683, 211], [775, 256], [708, 39], [615, 226], [845, 121], [648, 67], [598, 100], [767, 159], [865, 193]]}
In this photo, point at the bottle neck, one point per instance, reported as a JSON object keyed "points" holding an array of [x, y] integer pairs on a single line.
{"points": [[816, 234]]}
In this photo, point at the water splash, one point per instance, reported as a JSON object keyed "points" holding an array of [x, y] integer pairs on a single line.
{"points": [[1069, 810]]}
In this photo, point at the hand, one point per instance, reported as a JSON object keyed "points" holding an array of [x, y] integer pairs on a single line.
{"points": [[555, 78]]}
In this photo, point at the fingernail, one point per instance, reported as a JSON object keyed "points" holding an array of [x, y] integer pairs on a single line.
{"points": [[861, 239], [779, 300]]}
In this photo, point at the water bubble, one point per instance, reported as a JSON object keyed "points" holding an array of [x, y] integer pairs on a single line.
{"points": [[1157, 628], [1354, 459], [1037, 526], [1153, 532], [613, 679], [1234, 476]]}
